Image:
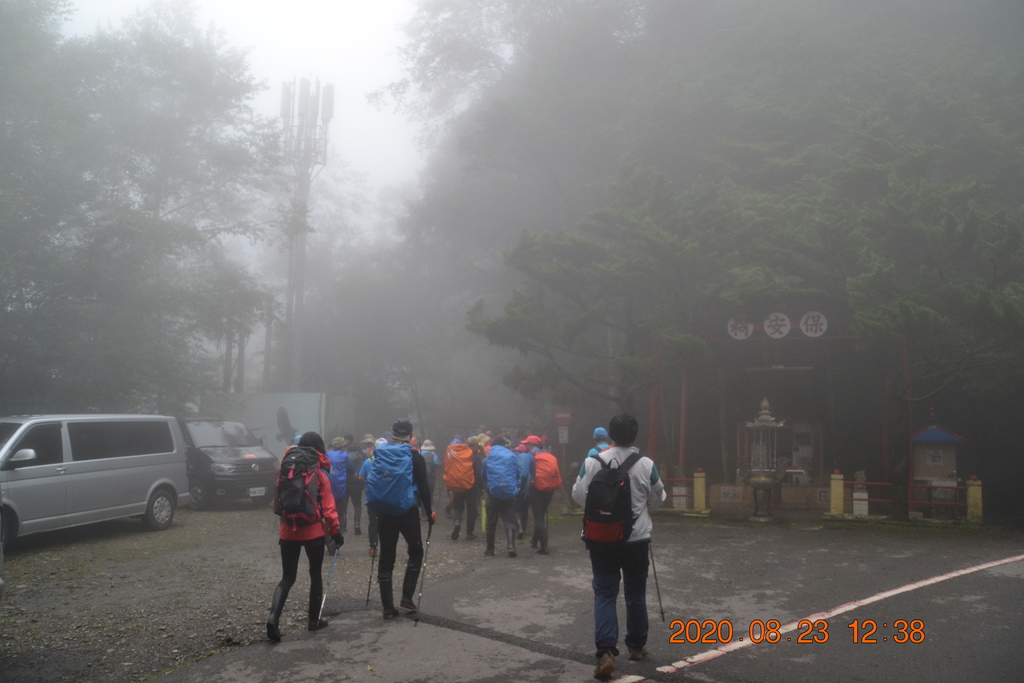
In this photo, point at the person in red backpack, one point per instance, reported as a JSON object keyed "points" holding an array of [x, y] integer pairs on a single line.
{"points": [[462, 479], [312, 537], [546, 480]]}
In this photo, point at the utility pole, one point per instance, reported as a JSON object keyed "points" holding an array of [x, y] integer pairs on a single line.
{"points": [[306, 113]]}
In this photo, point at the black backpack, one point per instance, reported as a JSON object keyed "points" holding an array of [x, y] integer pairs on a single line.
{"points": [[357, 458], [298, 491], [608, 513]]}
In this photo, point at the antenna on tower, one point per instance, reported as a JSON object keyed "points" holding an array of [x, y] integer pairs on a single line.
{"points": [[306, 113]]}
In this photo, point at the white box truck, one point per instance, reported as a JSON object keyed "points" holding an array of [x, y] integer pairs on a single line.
{"points": [[276, 418]]}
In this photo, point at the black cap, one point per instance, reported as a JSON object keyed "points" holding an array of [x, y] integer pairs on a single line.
{"points": [[402, 429]]}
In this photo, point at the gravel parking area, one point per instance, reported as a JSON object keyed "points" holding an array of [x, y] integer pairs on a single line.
{"points": [[114, 602]]}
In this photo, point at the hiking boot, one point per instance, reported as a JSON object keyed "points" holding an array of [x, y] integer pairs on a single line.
{"points": [[409, 589], [315, 606], [387, 597], [637, 653], [455, 532], [605, 667], [276, 607]]}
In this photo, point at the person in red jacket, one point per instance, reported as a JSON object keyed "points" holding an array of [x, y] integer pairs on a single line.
{"points": [[312, 537]]}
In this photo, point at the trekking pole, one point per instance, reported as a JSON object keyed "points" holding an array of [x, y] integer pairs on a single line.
{"points": [[650, 547], [330, 575], [423, 576], [369, 582]]}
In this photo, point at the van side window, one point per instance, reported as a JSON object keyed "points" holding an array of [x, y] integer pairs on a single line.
{"points": [[98, 440], [46, 441]]}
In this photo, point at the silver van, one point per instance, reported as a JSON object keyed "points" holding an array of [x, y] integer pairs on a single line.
{"points": [[60, 471], [1, 553]]}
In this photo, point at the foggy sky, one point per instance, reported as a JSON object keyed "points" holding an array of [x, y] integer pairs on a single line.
{"points": [[350, 44]]}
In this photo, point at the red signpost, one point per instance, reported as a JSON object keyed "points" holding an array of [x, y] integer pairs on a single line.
{"points": [[563, 416]]}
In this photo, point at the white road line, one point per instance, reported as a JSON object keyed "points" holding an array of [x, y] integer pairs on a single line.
{"points": [[714, 653]]}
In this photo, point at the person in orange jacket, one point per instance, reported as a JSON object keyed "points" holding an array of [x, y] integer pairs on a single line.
{"points": [[312, 537]]}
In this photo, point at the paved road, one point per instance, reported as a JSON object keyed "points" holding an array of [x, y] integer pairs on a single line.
{"points": [[530, 618]]}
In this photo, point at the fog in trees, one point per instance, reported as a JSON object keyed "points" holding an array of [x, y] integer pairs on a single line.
{"points": [[607, 183]]}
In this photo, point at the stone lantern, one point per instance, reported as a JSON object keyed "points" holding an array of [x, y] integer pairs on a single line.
{"points": [[763, 468]]}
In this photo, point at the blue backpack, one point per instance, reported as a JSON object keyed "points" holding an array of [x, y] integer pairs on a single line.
{"points": [[501, 469], [339, 473], [389, 487]]}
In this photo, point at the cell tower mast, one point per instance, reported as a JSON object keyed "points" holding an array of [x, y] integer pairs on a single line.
{"points": [[306, 113]]}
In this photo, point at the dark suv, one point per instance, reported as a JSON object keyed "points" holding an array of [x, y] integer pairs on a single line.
{"points": [[227, 462]]}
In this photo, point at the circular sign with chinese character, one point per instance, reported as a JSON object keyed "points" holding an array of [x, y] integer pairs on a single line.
{"points": [[739, 330], [813, 324], [777, 325]]}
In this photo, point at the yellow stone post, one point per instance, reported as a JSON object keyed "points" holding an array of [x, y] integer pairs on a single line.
{"points": [[974, 499], [836, 502], [700, 491]]}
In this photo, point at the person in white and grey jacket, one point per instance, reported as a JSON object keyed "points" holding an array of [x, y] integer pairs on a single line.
{"points": [[628, 558]]}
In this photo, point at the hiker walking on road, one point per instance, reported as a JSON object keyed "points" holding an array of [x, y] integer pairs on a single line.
{"points": [[356, 456], [462, 463], [501, 479], [545, 481], [364, 471], [430, 459], [601, 442], [303, 522], [340, 474], [620, 547], [398, 472], [527, 448]]}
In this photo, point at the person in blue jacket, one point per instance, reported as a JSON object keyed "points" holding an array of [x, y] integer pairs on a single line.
{"points": [[368, 445], [525, 452], [340, 474], [501, 480], [601, 442]]}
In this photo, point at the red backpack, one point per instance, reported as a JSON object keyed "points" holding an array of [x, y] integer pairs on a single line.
{"points": [[548, 478], [458, 468]]}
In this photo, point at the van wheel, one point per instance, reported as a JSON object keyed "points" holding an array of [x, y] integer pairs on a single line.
{"points": [[160, 511], [7, 529], [200, 494]]}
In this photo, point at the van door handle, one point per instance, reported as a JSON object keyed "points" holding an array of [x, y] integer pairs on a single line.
{"points": [[61, 469]]}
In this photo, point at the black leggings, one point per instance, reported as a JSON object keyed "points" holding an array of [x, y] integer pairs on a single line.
{"points": [[408, 526], [290, 551]]}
